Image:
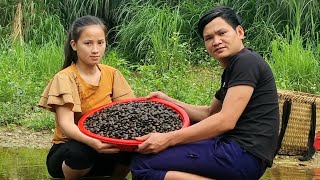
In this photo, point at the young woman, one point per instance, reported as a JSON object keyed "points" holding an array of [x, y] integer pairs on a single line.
{"points": [[82, 85]]}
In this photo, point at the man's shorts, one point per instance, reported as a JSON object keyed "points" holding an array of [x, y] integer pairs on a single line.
{"points": [[217, 158]]}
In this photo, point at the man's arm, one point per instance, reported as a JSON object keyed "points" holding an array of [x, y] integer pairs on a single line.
{"points": [[235, 102], [196, 113]]}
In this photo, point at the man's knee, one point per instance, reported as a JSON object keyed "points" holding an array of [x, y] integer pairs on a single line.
{"points": [[141, 170]]}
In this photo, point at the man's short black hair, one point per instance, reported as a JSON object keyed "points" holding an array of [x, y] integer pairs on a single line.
{"points": [[224, 12]]}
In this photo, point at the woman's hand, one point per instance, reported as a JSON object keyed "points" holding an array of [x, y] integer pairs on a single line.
{"points": [[154, 142], [102, 147]]}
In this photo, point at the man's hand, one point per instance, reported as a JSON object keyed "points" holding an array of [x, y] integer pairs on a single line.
{"points": [[154, 142], [158, 94]]}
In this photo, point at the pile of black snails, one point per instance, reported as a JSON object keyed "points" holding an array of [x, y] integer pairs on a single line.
{"points": [[133, 119]]}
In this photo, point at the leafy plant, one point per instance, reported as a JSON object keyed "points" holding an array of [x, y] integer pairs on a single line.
{"points": [[156, 47], [295, 66]]}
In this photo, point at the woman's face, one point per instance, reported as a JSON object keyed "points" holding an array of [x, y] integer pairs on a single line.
{"points": [[90, 46]]}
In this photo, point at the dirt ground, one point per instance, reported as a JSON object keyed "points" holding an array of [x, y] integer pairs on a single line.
{"points": [[23, 137]]}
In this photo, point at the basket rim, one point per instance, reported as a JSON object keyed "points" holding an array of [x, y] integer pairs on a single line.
{"points": [[298, 96], [179, 110]]}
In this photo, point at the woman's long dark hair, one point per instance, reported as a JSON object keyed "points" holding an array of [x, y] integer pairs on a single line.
{"points": [[70, 56]]}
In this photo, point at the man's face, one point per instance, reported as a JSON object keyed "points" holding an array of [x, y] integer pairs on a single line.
{"points": [[221, 40]]}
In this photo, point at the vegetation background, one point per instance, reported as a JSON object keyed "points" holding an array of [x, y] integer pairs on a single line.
{"points": [[154, 43]]}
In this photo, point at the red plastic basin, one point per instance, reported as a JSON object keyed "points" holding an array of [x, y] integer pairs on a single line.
{"points": [[125, 144]]}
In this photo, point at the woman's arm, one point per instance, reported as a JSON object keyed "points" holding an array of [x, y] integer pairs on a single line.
{"points": [[65, 119]]}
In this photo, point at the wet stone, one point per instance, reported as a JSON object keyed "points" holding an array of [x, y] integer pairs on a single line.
{"points": [[133, 119]]}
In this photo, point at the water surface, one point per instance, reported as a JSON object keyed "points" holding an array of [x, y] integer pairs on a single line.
{"points": [[29, 164], [23, 164]]}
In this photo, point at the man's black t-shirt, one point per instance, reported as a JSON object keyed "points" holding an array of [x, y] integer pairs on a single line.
{"points": [[257, 128]]}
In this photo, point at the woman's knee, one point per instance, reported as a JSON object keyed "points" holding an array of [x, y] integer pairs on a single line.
{"points": [[79, 155]]}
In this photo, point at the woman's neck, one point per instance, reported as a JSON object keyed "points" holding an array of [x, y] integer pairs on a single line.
{"points": [[90, 74], [87, 70]]}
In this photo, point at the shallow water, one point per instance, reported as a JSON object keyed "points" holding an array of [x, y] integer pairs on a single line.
{"points": [[23, 164], [29, 164], [291, 173]]}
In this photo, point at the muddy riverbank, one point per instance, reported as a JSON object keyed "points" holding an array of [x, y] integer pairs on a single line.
{"points": [[23, 137]]}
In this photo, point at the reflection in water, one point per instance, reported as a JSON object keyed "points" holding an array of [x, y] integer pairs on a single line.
{"points": [[23, 164], [29, 164], [290, 173]]}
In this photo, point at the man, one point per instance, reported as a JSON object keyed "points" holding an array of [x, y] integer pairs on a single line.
{"points": [[233, 138]]}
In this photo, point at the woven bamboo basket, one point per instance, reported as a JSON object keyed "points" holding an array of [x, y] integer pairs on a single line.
{"points": [[297, 133]]}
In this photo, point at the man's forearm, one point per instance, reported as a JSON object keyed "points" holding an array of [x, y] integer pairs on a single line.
{"points": [[195, 113]]}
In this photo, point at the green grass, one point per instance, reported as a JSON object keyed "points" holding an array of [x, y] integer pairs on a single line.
{"points": [[295, 66], [155, 46], [26, 69]]}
